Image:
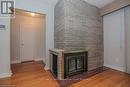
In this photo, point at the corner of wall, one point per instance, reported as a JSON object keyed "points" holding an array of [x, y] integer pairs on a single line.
{"points": [[5, 75], [115, 67], [46, 67]]}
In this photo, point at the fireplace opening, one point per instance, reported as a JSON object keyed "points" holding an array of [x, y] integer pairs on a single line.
{"points": [[75, 63], [55, 66]]}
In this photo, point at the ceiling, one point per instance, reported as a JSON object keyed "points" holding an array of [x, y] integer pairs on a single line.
{"points": [[97, 3], [50, 2]]}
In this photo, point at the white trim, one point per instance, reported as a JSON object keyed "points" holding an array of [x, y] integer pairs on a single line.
{"points": [[4, 75], [19, 61], [16, 61], [46, 67], [38, 59], [115, 67]]}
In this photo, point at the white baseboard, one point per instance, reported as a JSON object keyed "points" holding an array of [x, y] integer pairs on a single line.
{"points": [[19, 61], [46, 68], [5, 75], [115, 67], [16, 61], [38, 59]]}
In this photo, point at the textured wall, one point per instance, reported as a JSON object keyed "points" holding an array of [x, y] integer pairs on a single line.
{"points": [[78, 25], [59, 31]]}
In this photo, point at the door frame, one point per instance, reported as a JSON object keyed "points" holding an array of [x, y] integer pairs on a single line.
{"points": [[20, 59]]}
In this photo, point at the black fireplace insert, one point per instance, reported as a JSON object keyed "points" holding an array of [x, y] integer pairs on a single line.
{"points": [[75, 63]]}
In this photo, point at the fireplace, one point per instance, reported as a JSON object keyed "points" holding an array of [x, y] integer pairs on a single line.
{"points": [[66, 64], [75, 63]]}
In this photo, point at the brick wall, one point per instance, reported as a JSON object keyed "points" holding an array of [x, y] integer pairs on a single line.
{"points": [[78, 25]]}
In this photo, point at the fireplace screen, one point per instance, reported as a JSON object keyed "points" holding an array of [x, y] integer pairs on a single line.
{"points": [[75, 63], [71, 65], [80, 62]]}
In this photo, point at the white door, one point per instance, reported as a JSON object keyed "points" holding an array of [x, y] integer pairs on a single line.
{"points": [[27, 42], [114, 40]]}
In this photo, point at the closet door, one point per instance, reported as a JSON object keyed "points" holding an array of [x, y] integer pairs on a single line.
{"points": [[114, 40], [127, 39]]}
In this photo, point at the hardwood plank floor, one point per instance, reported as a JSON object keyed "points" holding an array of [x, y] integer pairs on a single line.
{"points": [[33, 75], [29, 75], [109, 78]]}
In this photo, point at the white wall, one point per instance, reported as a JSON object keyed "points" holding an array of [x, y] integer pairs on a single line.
{"points": [[30, 5], [5, 49], [114, 40]]}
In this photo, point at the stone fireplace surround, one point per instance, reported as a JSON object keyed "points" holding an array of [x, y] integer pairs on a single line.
{"points": [[78, 25], [60, 61]]}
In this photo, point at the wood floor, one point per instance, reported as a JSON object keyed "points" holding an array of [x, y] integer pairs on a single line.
{"points": [[29, 75], [109, 78], [33, 75]]}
